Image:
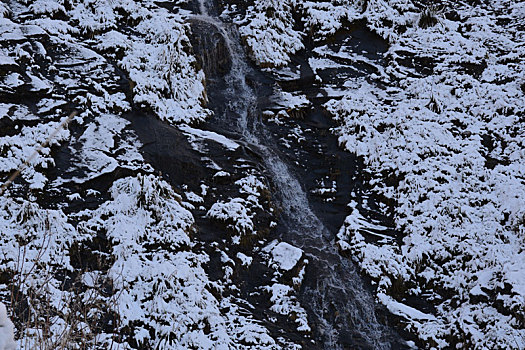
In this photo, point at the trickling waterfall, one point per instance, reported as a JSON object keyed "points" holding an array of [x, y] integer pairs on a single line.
{"points": [[335, 295], [202, 8]]}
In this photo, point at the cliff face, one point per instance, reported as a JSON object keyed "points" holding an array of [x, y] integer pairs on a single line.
{"points": [[201, 195]]}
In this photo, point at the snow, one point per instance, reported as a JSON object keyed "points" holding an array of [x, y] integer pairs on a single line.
{"points": [[403, 310], [222, 173], [167, 285], [245, 260], [47, 7], [5, 59], [144, 271], [149, 287], [285, 303], [13, 80], [48, 105], [9, 31], [290, 101], [450, 132], [269, 26], [286, 256], [18, 148], [268, 31], [240, 214], [155, 57], [453, 141], [162, 69], [236, 212], [250, 185], [323, 19], [97, 141], [197, 135], [443, 146], [7, 335]]}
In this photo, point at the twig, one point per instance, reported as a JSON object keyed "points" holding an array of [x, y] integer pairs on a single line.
{"points": [[36, 152]]}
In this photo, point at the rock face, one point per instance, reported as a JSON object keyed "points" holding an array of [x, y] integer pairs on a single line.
{"points": [[210, 48]]}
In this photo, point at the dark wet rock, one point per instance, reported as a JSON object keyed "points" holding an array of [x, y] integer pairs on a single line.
{"points": [[210, 48], [421, 65], [360, 39], [7, 127], [305, 78], [453, 16], [167, 149], [473, 68]]}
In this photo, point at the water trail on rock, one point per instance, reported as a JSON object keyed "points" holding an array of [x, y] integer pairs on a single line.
{"points": [[202, 8], [334, 292]]}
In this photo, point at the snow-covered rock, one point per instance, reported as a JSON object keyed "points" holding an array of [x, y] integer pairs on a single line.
{"points": [[7, 335], [286, 256]]}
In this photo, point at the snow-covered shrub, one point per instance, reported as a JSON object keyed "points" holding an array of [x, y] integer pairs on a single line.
{"points": [[268, 29], [34, 249], [235, 213], [161, 287], [164, 71], [388, 17], [16, 149], [164, 296], [285, 303], [154, 51], [323, 19], [124, 273], [49, 7], [94, 16], [239, 214]]}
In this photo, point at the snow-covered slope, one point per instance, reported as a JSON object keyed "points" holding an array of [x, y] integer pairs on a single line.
{"points": [[98, 249], [108, 246], [440, 128], [452, 138]]}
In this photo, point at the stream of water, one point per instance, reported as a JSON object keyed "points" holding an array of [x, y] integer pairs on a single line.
{"points": [[342, 312]]}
